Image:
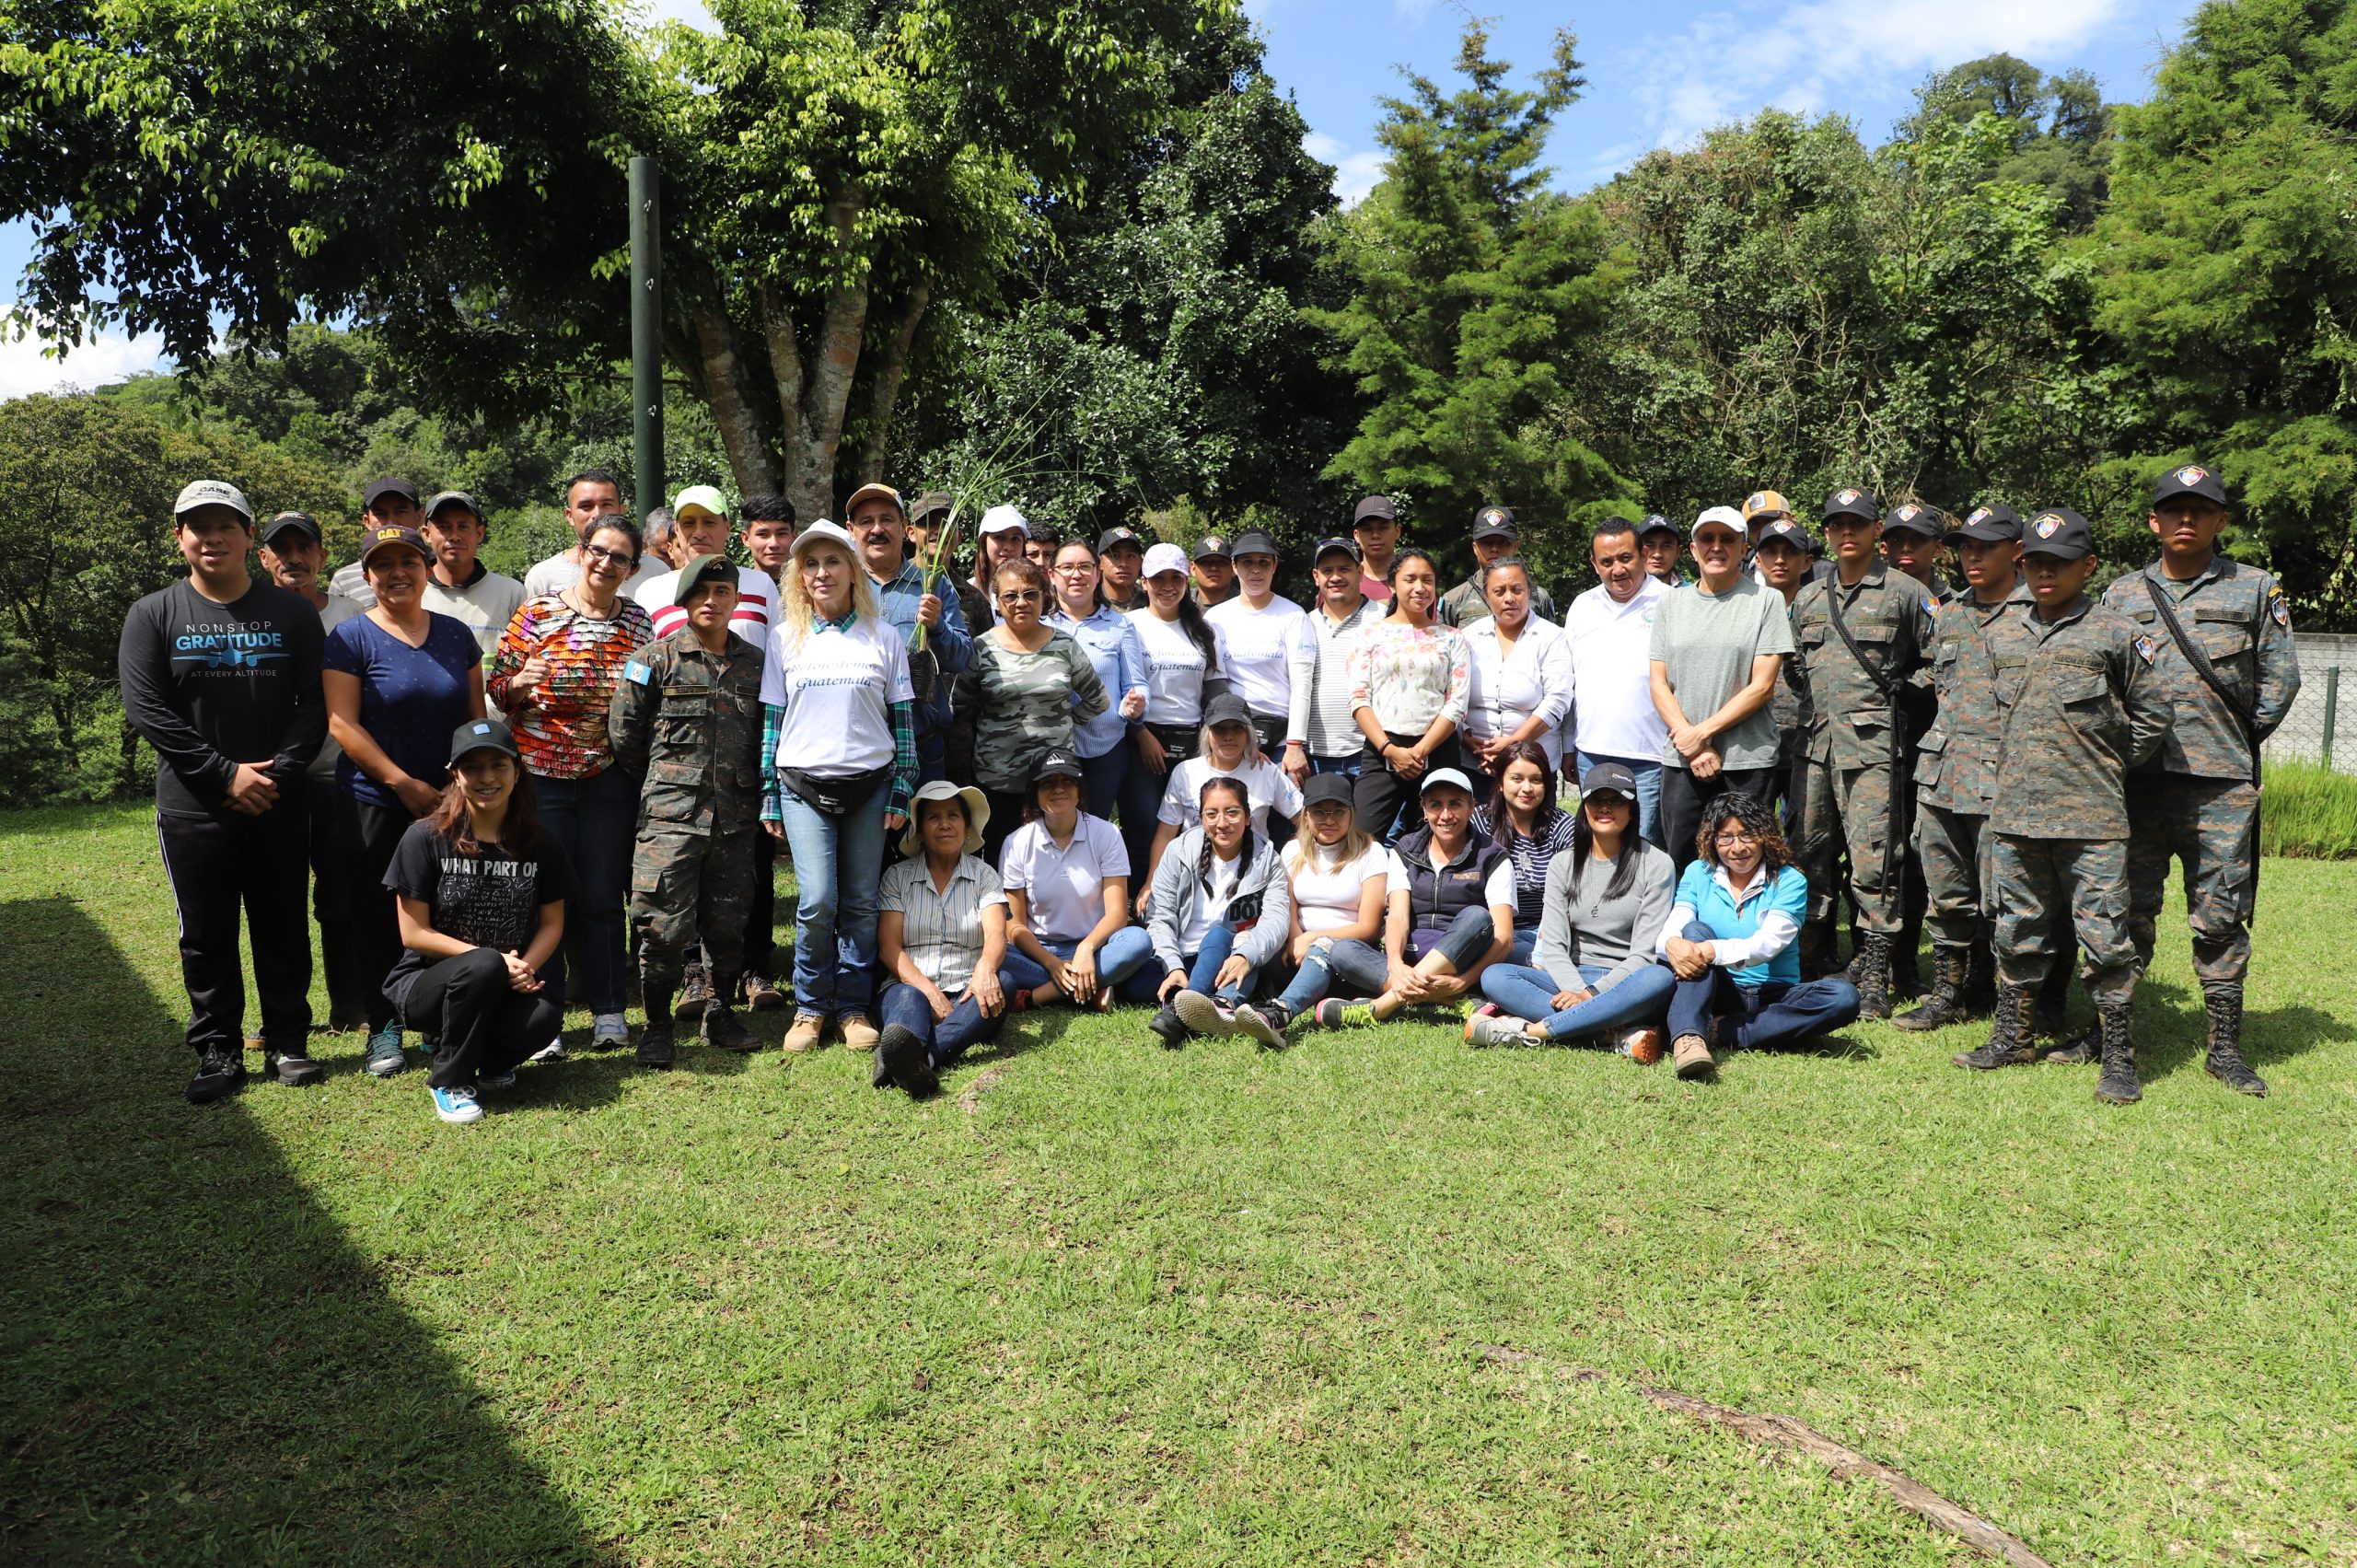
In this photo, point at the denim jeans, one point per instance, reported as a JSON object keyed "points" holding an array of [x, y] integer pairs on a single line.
{"points": [[1349, 966], [1526, 943], [1772, 1013], [1202, 971], [1529, 994], [1648, 777], [945, 1040], [1102, 778], [596, 820], [838, 864], [1468, 937], [1125, 952]]}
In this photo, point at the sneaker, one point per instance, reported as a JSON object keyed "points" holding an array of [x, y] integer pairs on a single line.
{"points": [[1642, 1047], [456, 1103], [1265, 1022], [384, 1057], [804, 1036], [761, 994], [1490, 1027], [1165, 1027], [293, 1068], [497, 1080], [608, 1031], [553, 1051], [905, 1060], [858, 1033], [219, 1070], [1203, 1016], [1336, 1014]]}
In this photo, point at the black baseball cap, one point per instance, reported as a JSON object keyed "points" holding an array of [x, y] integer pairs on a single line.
{"points": [[1226, 708], [1113, 537], [1251, 541], [481, 734], [2059, 531], [1853, 504], [1058, 763], [1656, 523], [1912, 518], [1378, 507], [298, 522], [1492, 522], [1610, 776], [1993, 524], [379, 488], [2190, 480], [1212, 547], [1324, 788], [1327, 546], [1782, 529], [387, 535]]}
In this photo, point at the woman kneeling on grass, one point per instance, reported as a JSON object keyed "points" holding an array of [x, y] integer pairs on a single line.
{"points": [[1067, 880], [479, 891], [1340, 876], [1607, 899], [1730, 938], [1452, 911], [941, 934], [1218, 909]]}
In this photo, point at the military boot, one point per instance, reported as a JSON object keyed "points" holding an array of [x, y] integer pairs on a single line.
{"points": [[721, 1027], [1816, 949], [2076, 1051], [1980, 978], [1906, 983], [2118, 1085], [2226, 1062], [654, 1039], [1869, 972], [1946, 1006], [694, 992], [2009, 1034]]}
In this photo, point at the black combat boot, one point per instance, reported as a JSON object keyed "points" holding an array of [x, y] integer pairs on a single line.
{"points": [[655, 1045], [1946, 1006], [1980, 977], [723, 1029], [694, 992], [1166, 1028], [1869, 972], [2118, 1085], [2009, 1034], [1906, 983], [2226, 1062]]}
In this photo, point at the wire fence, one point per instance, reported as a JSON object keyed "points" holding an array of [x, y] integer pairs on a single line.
{"points": [[2310, 733]]}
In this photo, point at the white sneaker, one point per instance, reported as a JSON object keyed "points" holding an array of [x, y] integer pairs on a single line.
{"points": [[608, 1032], [1203, 1014], [553, 1051], [457, 1104]]}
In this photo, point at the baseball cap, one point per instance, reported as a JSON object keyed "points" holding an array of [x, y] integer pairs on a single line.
{"points": [[1784, 530], [1489, 522], [1251, 541], [711, 568], [386, 536], [1440, 776], [212, 492], [295, 522], [1212, 547], [1329, 788], [453, 497], [1163, 558], [481, 734], [1609, 776], [1656, 523], [1005, 518], [877, 488], [1114, 538], [2190, 480], [2059, 531], [379, 488], [1994, 524], [1727, 516], [1327, 546], [700, 498], [932, 501], [1376, 506], [1912, 518], [823, 530], [1853, 504], [1058, 763], [1226, 708], [1766, 503]]}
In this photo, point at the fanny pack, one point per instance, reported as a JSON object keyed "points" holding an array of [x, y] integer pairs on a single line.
{"points": [[837, 796]]}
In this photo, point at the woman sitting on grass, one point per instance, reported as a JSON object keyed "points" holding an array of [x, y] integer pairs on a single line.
{"points": [[479, 891], [1730, 938], [1607, 899], [1521, 814], [1340, 876], [1219, 910], [1067, 880], [941, 935], [1452, 911]]}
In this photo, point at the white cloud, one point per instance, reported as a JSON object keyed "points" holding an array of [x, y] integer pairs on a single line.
{"points": [[689, 11], [108, 360], [1355, 173]]}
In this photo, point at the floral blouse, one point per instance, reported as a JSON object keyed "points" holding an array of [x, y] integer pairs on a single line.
{"points": [[560, 725]]}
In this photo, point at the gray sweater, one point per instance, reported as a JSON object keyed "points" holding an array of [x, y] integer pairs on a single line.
{"points": [[1600, 932], [1177, 884]]}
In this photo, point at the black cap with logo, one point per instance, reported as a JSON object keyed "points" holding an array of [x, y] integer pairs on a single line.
{"points": [[1993, 524], [1912, 518], [2059, 531], [2190, 480], [1495, 522], [1851, 503]]}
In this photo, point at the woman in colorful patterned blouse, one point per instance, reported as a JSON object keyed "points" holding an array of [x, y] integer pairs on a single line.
{"points": [[1411, 681], [1028, 682], [554, 672]]}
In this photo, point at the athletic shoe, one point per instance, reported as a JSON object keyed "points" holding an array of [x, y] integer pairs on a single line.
{"points": [[1165, 1027], [384, 1057], [497, 1080], [1334, 1013], [1203, 1016], [553, 1051], [293, 1068], [656, 1042], [1265, 1022], [906, 1061], [608, 1031], [457, 1104], [858, 1033], [219, 1071], [1490, 1027], [1642, 1047]]}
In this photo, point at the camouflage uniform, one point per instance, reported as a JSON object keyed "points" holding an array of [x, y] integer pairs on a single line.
{"points": [[688, 723], [2196, 800], [1466, 603], [1955, 772]]}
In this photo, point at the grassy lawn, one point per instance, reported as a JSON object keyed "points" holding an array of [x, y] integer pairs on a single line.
{"points": [[1128, 1304]]}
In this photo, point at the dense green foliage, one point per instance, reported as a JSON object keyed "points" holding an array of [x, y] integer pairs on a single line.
{"points": [[2310, 813]]}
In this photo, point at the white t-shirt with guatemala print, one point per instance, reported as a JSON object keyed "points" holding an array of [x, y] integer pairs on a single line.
{"points": [[836, 688]]}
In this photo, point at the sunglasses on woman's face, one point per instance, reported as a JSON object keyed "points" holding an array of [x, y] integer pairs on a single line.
{"points": [[1020, 595]]}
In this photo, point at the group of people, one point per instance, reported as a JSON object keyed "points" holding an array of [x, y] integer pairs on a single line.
{"points": [[1094, 773]]}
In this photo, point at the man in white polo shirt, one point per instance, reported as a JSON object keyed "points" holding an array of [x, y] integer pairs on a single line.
{"points": [[1611, 628], [701, 518]]}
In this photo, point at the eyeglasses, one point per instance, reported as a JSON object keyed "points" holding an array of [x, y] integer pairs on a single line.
{"points": [[1075, 568], [600, 552], [1020, 595], [1738, 840]]}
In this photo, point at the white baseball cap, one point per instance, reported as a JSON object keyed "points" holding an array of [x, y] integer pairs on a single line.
{"points": [[701, 498], [213, 492], [1440, 776], [1726, 515], [1002, 518], [1165, 558], [823, 530]]}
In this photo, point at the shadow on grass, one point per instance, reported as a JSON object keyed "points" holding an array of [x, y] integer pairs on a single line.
{"points": [[194, 1363], [2173, 1029]]}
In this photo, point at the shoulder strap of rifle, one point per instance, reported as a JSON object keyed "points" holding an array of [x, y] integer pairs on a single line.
{"points": [[2196, 655], [1885, 679]]}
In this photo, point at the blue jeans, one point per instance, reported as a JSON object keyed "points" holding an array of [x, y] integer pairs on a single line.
{"points": [[838, 864], [1103, 778], [1202, 971], [945, 1040], [1350, 767], [1648, 777], [1529, 994], [1468, 937], [1355, 967], [1526, 943], [1772, 1013], [1125, 952], [596, 820]]}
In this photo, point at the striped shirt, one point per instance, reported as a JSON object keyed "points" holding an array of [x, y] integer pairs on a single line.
{"points": [[560, 725], [1321, 686], [756, 604], [942, 931], [1531, 856]]}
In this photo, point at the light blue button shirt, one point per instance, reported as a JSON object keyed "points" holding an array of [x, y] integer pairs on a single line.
{"points": [[1117, 654]]}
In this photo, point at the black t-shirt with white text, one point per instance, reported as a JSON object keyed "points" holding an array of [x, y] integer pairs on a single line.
{"points": [[491, 899], [213, 685]]}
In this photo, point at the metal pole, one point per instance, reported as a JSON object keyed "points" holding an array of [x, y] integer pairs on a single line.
{"points": [[2331, 707], [646, 332]]}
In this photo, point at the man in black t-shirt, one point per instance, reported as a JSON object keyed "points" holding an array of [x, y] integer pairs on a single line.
{"points": [[221, 674]]}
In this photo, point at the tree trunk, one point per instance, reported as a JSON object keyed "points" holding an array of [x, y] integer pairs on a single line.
{"points": [[889, 378], [728, 391], [814, 405]]}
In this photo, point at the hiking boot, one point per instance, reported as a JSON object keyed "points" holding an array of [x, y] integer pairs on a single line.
{"points": [[295, 1068], [456, 1103], [1203, 1016], [2226, 1062], [724, 1029], [1946, 1006], [695, 991], [805, 1034], [219, 1070], [1264, 1021], [1692, 1055], [2079, 1052], [2118, 1085], [1490, 1027], [657, 1046], [1869, 972], [1166, 1028], [384, 1058], [761, 994], [2009, 1043], [1642, 1047], [901, 1058], [858, 1033]]}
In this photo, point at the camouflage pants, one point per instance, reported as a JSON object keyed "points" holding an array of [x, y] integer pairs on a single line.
{"points": [[2212, 827], [1954, 850], [1851, 808], [2039, 882], [684, 884]]}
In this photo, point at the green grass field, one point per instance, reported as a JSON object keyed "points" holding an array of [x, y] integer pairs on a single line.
{"points": [[1106, 1302]]}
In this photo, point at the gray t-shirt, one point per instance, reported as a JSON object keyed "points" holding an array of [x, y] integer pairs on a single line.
{"points": [[1708, 641]]}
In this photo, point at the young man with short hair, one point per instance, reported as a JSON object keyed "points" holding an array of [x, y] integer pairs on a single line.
{"points": [[221, 675], [1375, 528], [1120, 556], [701, 519], [588, 496], [458, 585], [1214, 572], [1322, 736], [1611, 629], [1913, 539], [1495, 536]]}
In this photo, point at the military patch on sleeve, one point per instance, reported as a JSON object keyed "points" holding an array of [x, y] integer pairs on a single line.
{"points": [[2280, 608], [1931, 606], [2147, 648], [637, 673]]}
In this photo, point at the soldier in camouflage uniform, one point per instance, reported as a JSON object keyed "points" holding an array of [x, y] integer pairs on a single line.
{"points": [[2082, 706], [687, 721], [2199, 799], [1956, 769], [1495, 536], [1914, 541], [1857, 745]]}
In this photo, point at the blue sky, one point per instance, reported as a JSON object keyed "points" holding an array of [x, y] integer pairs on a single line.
{"points": [[1658, 74]]}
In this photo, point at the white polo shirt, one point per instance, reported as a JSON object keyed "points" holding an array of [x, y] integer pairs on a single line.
{"points": [[1612, 694], [756, 609], [1258, 650], [1065, 887], [837, 687]]}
